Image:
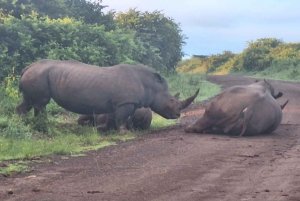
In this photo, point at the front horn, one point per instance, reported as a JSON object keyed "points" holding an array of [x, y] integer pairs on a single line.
{"points": [[189, 100]]}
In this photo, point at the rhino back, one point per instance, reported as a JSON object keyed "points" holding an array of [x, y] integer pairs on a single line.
{"points": [[87, 89]]}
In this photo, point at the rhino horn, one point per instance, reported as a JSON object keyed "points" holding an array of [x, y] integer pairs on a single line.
{"points": [[189, 100], [177, 96], [282, 106]]}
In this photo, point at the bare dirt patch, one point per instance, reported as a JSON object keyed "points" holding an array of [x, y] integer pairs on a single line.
{"points": [[169, 164]]}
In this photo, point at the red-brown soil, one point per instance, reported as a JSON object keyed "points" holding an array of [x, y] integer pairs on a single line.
{"points": [[170, 165]]}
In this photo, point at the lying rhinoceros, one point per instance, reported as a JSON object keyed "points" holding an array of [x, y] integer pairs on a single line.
{"points": [[140, 120], [239, 110], [86, 89]]}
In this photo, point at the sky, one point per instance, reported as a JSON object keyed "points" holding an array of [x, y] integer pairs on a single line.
{"points": [[213, 26]]}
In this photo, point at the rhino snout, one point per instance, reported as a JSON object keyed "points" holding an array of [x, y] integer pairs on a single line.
{"points": [[173, 116]]}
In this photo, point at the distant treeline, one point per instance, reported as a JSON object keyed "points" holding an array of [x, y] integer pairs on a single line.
{"points": [[260, 55], [78, 29]]}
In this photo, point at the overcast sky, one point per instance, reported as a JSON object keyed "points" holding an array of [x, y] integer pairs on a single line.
{"points": [[213, 26]]}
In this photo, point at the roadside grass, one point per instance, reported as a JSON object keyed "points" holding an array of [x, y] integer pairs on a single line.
{"points": [[187, 84], [23, 139], [286, 70], [14, 168], [160, 122]]}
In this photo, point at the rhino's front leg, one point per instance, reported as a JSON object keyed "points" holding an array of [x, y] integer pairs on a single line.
{"points": [[122, 113]]}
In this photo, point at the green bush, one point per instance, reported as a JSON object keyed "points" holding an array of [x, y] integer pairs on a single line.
{"points": [[259, 56], [286, 69], [204, 64]]}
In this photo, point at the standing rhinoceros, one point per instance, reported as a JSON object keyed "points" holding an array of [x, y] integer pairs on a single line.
{"points": [[140, 120], [86, 89], [239, 110]]}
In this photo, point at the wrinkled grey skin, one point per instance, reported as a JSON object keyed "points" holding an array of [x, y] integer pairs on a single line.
{"points": [[140, 120], [86, 89], [242, 110]]}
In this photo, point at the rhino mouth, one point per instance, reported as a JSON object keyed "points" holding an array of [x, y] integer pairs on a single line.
{"points": [[170, 116], [174, 116]]}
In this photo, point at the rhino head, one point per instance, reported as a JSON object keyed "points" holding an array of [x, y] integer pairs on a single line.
{"points": [[169, 106]]}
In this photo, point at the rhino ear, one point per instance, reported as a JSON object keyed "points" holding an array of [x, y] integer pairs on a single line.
{"points": [[177, 96], [158, 78], [278, 95]]}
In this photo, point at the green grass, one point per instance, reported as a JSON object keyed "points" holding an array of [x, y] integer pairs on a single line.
{"points": [[29, 137], [287, 70], [15, 168], [187, 84], [160, 122]]}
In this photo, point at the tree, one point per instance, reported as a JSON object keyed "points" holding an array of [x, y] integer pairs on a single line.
{"points": [[25, 40], [88, 12], [256, 55], [161, 36]]}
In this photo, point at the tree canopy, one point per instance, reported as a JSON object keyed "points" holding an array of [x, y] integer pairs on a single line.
{"points": [[258, 56], [161, 35], [79, 29]]}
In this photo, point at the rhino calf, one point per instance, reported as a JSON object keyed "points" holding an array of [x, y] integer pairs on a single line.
{"points": [[140, 120], [242, 110]]}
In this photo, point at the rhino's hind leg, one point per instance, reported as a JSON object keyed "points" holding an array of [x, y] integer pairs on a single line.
{"points": [[248, 111], [40, 105], [24, 107], [110, 122], [129, 124], [122, 113], [39, 110], [33, 101]]}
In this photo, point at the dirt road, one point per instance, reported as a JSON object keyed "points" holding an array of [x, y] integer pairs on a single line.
{"points": [[170, 165]]}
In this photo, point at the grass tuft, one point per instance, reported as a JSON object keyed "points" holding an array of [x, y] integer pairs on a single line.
{"points": [[14, 168]]}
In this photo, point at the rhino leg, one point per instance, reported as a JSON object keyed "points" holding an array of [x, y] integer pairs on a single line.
{"points": [[24, 107], [85, 120], [230, 127], [102, 128], [129, 124], [122, 113], [234, 128], [110, 122], [248, 111], [39, 110]]}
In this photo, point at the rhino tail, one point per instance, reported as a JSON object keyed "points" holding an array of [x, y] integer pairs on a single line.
{"points": [[282, 106], [247, 116], [189, 100], [24, 70]]}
